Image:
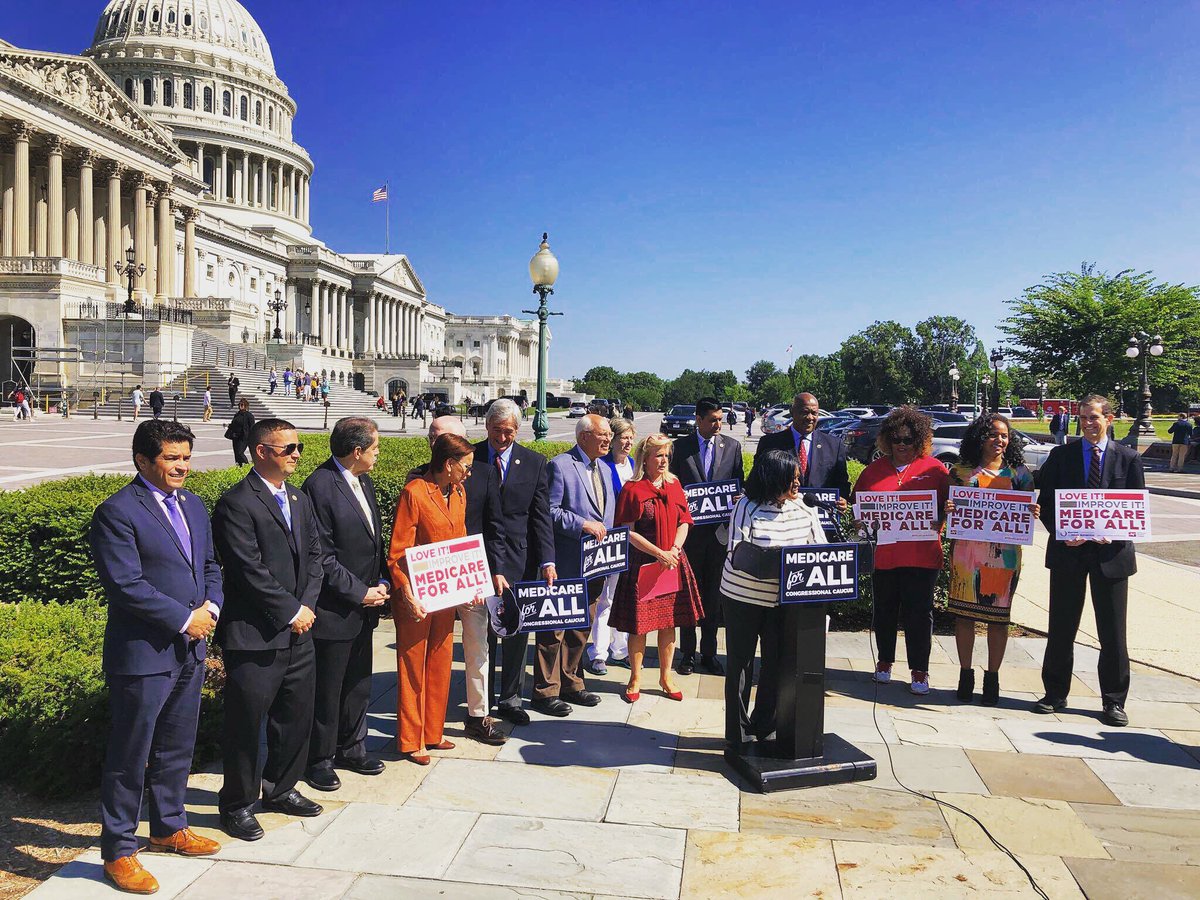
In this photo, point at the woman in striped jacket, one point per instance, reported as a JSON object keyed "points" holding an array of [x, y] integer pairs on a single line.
{"points": [[768, 517]]}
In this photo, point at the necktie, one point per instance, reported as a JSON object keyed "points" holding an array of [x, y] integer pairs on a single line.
{"points": [[802, 458], [598, 486], [499, 468], [706, 460], [281, 499], [175, 517], [356, 486], [1094, 471]]}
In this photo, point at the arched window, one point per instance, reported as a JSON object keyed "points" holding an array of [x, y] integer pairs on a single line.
{"points": [[147, 92], [203, 21], [208, 173], [244, 109], [270, 117], [187, 20], [171, 17], [257, 112], [189, 96], [129, 88], [227, 104], [141, 15], [168, 93], [208, 99], [154, 16]]}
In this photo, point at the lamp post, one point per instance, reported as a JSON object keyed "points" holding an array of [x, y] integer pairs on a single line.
{"points": [[954, 375], [543, 272], [1141, 344], [1041, 386], [986, 381], [996, 358], [130, 271], [277, 305], [307, 317]]}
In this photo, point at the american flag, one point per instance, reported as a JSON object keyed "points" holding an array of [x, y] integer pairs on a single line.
{"points": [[381, 193], [789, 349]]}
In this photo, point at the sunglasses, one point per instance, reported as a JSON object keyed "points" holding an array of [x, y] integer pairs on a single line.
{"points": [[286, 449], [466, 469], [907, 441]]}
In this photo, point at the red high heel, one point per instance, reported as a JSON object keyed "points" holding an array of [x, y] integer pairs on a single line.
{"points": [[631, 696], [673, 695]]}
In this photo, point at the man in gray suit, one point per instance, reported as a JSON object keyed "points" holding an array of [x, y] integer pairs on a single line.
{"points": [[581, 502]]}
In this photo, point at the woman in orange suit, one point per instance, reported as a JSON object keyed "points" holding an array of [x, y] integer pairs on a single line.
{"points": [[431, 508]]}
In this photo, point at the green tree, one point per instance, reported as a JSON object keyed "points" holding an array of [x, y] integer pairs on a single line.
{"points": [[600, 381], [777, 389], [874, 363], [644, 390], [820, 376], [937, 344], [689, 387], [757, 375], [1075, 327]]}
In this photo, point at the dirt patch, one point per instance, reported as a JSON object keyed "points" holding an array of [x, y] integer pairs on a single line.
{"points": [[39, 836]]}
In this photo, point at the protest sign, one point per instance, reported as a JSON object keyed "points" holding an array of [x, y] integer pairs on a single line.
{"points": [[1088, 514], [449, 573], [711, 502], [562, 606], [900, 515], [996, 516], [818, 573], [828, 497], [606, 557]]}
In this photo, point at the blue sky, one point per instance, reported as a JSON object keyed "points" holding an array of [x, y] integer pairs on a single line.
{"points": [[722, 179]]}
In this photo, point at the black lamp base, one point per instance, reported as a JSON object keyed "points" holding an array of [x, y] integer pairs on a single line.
{"points": [[840, 763]]}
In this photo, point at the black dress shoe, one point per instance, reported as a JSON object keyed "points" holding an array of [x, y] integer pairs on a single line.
{"points": [[713, 665], [322, 779], [513, 714], [552, 706], [1046, 705], [582, 698], [293, 803], [1114, 715], [485, 731], [241, 825], [687, 664], [360, 765]]}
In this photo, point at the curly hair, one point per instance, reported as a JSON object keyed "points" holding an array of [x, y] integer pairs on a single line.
{"points": [[915, 421], [970, 451]]}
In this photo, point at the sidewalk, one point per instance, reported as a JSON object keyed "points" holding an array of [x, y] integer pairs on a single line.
{"points": [[635, 801]]}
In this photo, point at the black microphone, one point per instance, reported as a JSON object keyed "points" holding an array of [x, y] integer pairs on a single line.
{"points": [[811, 500]]}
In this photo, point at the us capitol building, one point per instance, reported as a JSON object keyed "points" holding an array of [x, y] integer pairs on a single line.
{"points": [[169, 143]]}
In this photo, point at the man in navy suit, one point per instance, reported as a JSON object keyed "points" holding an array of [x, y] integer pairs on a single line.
{"points": [[153, 549], [822, 459], [1097, 461], [269, 541], [581, 502], [354, 590]]}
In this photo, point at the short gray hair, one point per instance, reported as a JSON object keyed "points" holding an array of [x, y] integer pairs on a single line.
{"points": [[352, 433], [589, 423], [503, 409], [622, 425]]}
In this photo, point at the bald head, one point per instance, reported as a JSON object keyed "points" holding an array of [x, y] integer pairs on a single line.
{"points": [[446, 425], [805, 412], [593, 434]]}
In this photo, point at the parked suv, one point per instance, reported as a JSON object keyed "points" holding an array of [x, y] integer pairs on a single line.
{"points": [[680, 421]]}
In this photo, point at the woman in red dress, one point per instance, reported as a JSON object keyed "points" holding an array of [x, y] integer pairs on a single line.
{"points": [[653, 503]]}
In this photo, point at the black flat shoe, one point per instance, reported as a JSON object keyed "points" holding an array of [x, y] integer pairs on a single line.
{"points": [[966, 685], [1114, 715], [712, 665], [552, 707], [513, 714], [991, 688], [687, 665], [581, 698], [361, 765], [1047, 705], [241, 825], [322, 779], [293, 803]]}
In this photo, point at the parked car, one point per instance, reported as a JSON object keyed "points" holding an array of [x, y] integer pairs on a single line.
{"points": [[777, 422], [577, 410], [948, 437], [863, 412], [859, 438], [946, 416], [836, 424], [1022, 412], [680, 421]]}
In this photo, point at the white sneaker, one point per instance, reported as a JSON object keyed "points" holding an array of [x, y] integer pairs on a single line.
{"points": [[920, 683], [883, 673]]}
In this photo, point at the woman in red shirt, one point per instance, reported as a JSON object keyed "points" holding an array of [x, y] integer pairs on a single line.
{"points": [[906, 572]]}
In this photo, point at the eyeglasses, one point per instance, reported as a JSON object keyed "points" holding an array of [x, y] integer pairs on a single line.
{"points": [[908, 441], [286, 449], [466, 469]]}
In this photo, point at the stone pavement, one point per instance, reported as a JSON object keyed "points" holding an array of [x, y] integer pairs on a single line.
{"points": [[635, 801]]}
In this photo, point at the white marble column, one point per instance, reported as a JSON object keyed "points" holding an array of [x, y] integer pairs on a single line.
{"points": [[87, 216], [21, 135], [262, 182], [164, 281], [190, 214], [71, 221], [6, 197], [223, 190], [113, 225], [141, 192]]}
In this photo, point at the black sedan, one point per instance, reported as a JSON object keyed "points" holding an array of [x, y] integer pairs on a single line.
{"points": [[680, 421]]}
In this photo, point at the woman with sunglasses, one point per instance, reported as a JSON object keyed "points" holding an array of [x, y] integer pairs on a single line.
{"points": [[983, 575], [906, 572], [431, 508]]}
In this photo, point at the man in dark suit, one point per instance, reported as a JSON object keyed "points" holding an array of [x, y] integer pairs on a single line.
{"points": [[528, 534], [700, 457], [157, 402], [269, 541], [153, 550], [581, 502], [354, 589], [1096, 461], [822, 459]]}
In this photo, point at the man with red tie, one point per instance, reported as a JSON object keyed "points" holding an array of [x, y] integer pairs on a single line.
{"points": [[822, 459]]}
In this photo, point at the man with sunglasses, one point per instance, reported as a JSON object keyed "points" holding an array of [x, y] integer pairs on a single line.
{"points": [[269, 542]]}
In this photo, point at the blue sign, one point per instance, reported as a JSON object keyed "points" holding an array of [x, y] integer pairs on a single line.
{"points": [[818, 573]]}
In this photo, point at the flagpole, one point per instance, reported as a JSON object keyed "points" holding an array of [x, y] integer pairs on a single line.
{"points": [[387, 220]]}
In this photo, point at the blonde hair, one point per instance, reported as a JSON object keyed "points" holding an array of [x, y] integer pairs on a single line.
{"points": [[620, 426], [651, 444]]}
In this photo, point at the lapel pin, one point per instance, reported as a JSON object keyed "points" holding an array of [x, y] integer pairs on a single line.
{"points": [[293, 498]]}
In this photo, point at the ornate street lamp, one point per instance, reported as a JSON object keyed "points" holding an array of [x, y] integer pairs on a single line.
{"points": [[996, 358], [954, 375], [1141, 344], [1041, 386], [130, 271], [308, 317], [986, 381], [543, 272], [277, 305]]}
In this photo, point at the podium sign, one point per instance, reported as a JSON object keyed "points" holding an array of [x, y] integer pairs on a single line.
{"points": [[819, 573]]}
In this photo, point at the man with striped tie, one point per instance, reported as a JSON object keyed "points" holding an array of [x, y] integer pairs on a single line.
{"points": [[1093, 462]]}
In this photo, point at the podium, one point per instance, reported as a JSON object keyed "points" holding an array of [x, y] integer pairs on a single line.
{"points": [[802, 754]]}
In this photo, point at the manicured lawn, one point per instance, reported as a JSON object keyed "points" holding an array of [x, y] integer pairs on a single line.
{"points": [[1120, 427]]}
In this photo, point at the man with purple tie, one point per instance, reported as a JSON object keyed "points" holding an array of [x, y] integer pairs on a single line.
{"points": [[153, 550]]}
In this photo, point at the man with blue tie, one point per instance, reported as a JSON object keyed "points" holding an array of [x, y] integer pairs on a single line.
{"points": [[153, 549], [1096, 461]]}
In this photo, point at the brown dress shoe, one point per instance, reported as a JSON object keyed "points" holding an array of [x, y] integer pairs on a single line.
{"points": [[185, 842], [127, 875]]}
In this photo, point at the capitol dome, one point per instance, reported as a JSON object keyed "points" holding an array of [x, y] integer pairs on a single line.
{"points": [[222, 27]]}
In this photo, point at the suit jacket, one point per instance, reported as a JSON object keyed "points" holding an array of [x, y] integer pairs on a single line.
{"points": [[527, 529], [423, 516], [157, 400], [270, 571], [150, 586], [826, 461], [573, 502], [1063, 468], [356, 555], [687, 466]]}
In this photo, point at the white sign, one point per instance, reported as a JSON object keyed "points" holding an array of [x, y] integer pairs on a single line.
{"points": [[449, 573], [900, 515], [1089, 514], [987, 514]]}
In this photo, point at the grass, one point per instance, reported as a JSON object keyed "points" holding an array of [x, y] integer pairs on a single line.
{"points": [[1121, 427]]}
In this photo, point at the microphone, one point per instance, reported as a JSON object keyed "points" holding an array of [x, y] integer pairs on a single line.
{"points": [[812, 501]]}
